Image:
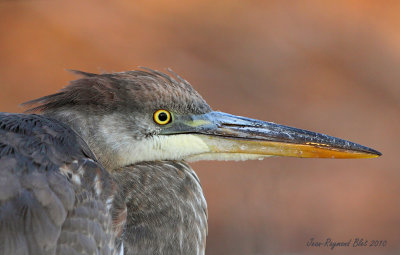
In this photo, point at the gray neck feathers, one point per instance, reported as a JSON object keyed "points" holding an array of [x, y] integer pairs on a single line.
{"points": [[167, 212]]}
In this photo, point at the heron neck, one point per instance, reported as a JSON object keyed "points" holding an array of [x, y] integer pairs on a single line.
{"points": [[166, 209]]}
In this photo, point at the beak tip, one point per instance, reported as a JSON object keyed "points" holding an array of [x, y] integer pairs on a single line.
{"points": [[371, 153], [376, 153]]}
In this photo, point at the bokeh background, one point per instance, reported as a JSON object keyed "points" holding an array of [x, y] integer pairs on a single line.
{"points": [[327, 66]]}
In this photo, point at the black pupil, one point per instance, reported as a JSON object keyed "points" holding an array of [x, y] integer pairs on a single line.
{"points": [[162, 116]]}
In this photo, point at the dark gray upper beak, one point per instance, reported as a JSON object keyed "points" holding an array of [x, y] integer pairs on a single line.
{"points": [[265, 138]]}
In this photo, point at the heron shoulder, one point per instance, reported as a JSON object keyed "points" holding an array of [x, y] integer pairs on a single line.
{"points": [[52, 189]]}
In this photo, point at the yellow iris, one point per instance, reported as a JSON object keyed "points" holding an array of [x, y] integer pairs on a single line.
{"points": [[162, 117]]}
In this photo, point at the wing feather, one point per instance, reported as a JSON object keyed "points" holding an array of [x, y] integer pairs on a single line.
{"points": [[54, 195]]}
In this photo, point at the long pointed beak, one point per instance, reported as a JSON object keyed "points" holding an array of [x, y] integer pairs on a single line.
{"points": [[225, 133]]}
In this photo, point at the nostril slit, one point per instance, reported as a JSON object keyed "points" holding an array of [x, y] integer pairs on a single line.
{"points": [[234, 125]]}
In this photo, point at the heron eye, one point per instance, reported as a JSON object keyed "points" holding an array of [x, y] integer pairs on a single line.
{"points": [[162, 117]]}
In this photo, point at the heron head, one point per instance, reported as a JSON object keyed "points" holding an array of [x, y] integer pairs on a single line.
{"points": [[147, 115]]}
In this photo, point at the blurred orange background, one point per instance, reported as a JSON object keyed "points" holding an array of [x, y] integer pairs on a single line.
{"points": [[326, 66]]}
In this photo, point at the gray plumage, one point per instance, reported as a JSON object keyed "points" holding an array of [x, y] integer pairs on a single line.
{"points": [[168, 208], [48, 198], [44, 210]]}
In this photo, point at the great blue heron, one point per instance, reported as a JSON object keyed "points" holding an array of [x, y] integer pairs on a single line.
{"points": [[103, 169]]}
